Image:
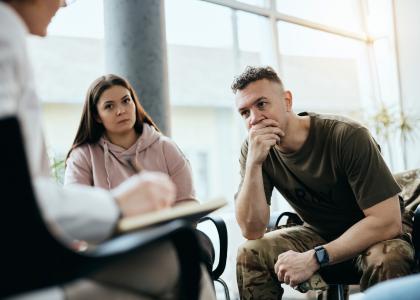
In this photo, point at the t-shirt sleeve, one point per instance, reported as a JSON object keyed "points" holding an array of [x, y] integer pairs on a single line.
{"points": [[268, 186], [78, 168], [366, 170]]}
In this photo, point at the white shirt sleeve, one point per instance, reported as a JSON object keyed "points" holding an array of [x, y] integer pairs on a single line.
{"points": [[8, 84], [82, 212], [79, 212]]}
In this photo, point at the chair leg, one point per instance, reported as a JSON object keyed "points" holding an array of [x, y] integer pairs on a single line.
{"points": [[340, 292], [225, 287], [337, 292]]}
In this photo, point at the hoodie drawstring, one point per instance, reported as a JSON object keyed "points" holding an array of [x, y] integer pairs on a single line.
{"points": [[137, 158], [106, 158]]}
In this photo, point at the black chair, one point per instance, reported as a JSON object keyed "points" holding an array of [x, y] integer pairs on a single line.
{"points": [[217, 271], [341, 275], [32, 258]]}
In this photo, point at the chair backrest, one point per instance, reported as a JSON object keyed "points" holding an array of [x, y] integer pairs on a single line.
{"points": [[220, 225], [31, 257]]}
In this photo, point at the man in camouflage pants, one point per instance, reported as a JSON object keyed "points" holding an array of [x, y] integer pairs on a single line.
{"points": [[331, 172]]}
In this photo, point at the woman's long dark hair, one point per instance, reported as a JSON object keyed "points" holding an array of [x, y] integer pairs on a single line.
{"points": [[90, 131]]}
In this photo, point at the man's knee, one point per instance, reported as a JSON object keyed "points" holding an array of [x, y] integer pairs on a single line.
{"points": [[386, 260], [389, 253]]}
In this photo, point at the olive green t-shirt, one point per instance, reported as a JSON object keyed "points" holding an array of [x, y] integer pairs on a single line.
{"points": [[338, 172]]}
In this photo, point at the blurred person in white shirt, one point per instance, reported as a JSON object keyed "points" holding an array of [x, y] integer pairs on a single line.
{"points": [[80, 212]]}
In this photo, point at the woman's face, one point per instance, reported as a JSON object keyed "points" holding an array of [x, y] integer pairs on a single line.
{"points": [[116, 110]]}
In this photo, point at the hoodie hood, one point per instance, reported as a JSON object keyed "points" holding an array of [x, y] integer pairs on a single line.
{"points": [[114, 154]]}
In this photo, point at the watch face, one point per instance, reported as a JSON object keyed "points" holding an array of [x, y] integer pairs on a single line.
{"points": [[321, 256]]}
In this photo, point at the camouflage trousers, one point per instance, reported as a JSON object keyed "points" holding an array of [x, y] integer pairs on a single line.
{"points": [[256, 258]]}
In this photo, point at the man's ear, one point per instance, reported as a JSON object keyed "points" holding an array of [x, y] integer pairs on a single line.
{"points": [[288, 100]]}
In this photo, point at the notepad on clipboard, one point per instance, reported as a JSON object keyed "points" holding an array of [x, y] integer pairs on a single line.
{"points": [[192, 211]]}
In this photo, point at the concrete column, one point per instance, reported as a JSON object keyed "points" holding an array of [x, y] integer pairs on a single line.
{"points": [[135, 48]]}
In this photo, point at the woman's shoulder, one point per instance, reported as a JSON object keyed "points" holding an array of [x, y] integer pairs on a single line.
{"points": [[166, 142], [170, 148], [84, 152], [161, 144]]}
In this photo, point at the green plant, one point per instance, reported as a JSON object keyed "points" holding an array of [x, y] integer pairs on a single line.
{"points": [[383, 121], [389, 123], [408, 127], [57, 169]]}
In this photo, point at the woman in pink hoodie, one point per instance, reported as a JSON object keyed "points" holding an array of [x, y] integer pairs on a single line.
{"points": [[117, 139]]}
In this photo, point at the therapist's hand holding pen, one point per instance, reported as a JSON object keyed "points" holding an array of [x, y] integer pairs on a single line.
{"points": [[144, 192]]}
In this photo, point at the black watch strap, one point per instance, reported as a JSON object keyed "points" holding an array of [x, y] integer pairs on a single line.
{"points": [[321, 256]]}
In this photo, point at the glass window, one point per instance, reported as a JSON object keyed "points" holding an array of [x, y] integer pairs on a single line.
{"points": [[379, 17], [80, 19], [380, 27], [254, 40], [203, 58], [344, 14], [325, 72], [201, 68], [386, 70], [205, 24], [65, 63], [199, 165], [263, 3]]}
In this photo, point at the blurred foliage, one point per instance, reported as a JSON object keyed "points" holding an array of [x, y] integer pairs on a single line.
{"points": [[57, 169], [390, 122], [383, 121]]}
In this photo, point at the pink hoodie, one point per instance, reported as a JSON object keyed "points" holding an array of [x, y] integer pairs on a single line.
{"points": [[105, 165]]}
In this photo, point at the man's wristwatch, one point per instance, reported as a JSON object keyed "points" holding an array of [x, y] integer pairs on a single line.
{"points": [[321, 256]]}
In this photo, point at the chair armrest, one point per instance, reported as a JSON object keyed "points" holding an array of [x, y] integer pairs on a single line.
{"points": [[135, 240], [220, 225], [416, 233], [276, 217]]}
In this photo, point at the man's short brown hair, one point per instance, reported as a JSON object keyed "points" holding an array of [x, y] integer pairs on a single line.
{"points": [[252, 74]]}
